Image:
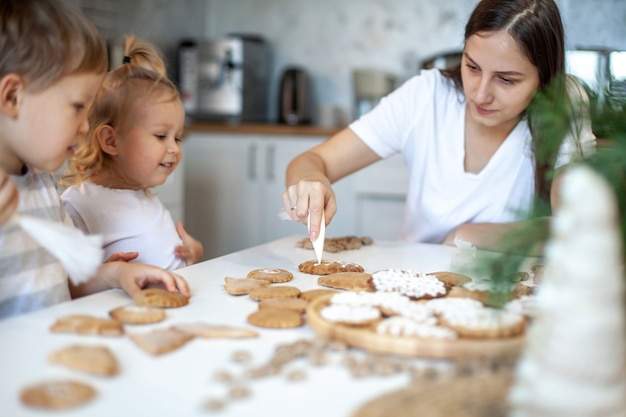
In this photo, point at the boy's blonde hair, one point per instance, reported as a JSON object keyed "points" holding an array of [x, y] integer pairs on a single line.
{"points": [[43, 41], [141, 76]]}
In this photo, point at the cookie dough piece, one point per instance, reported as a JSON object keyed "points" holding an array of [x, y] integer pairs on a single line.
{"points": [[96, 360], [353, 281], [57, 395]]}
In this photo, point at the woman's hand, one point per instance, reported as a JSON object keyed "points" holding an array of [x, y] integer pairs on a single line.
{"points": [[309, 177], [9, 197], [191, 250], [312, 195]]}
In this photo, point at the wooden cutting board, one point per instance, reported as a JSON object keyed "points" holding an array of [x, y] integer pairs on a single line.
{"points": [[368, 339]]}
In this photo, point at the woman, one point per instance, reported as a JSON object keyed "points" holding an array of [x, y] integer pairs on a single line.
{"points": [[465, 134]]}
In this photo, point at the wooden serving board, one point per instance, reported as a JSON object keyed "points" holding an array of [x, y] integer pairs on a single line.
{"points": [[368, 339]]}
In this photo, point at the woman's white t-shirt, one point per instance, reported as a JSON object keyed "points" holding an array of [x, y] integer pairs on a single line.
{"points": [[424, 120]]}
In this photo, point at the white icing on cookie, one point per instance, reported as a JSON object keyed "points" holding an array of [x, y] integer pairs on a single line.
{"points": [[404, 326], [408, 283], [343, 313], [485, 318]]}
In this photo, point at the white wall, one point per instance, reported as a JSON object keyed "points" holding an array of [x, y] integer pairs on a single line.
{"points": [[332, 37]]}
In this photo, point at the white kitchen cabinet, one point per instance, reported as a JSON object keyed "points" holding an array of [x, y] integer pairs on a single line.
{"points": [[234, 184]]}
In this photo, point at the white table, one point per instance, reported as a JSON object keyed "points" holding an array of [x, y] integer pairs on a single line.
{"points": [[178, 383]]}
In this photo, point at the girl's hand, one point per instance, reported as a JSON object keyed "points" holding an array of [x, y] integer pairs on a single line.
{"points": [[132, 277], [191, 250], [122, 256], [135, 277], [9, 197]]}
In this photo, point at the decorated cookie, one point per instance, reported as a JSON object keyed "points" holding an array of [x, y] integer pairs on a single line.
{"points": [[328, 267], [85, 324], [160, 341], [271, 274], [57, 395]]}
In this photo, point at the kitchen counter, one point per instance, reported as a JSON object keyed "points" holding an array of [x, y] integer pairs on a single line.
{"points": [[180, 382], [261, 128]]}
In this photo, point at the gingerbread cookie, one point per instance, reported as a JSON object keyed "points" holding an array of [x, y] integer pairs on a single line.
{"points": [[487, 322], [160, 341], [216, 331], [241, 286], [411, 284], [338, 244], [157, 297], [271, 274], [311, 295], [296, 304], [97, 360], [57, 395], [328, 267], [277, 318], [134, 314], [283, 291], [451, 279], [85, 324], [407, 327], [352, 281]]}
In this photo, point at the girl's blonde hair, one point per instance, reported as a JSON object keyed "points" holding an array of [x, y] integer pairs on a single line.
{"points": [[141, 76]]}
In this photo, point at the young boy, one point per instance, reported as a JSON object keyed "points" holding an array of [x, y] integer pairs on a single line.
{"points": [[52, 62]]}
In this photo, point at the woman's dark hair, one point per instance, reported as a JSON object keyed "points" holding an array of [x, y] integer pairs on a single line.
{"points": [[536, 27]]}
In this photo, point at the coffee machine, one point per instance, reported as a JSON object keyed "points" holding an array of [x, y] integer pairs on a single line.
{"points": [[225, 79]]}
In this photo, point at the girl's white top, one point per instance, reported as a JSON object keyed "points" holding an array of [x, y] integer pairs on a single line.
{"points": [[128, 220]]}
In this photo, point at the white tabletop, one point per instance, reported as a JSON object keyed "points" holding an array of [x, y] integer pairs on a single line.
{"points": [[178, 383]]}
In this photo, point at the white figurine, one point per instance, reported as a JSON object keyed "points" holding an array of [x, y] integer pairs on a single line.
{"points": [[574, 361]]}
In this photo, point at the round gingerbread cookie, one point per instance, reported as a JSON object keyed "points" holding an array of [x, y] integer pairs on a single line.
{"points": [[328, 267], [277, 318], [296, 304], [282, 291], [271, 274], [483, 323], [311, 295]]}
